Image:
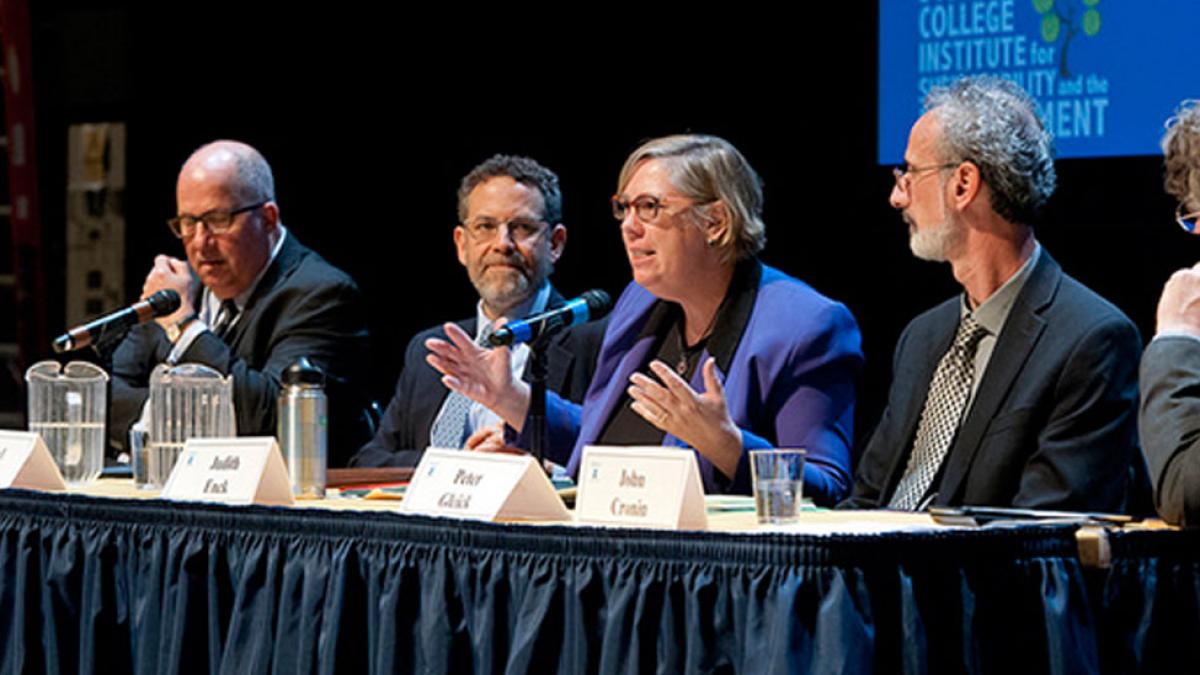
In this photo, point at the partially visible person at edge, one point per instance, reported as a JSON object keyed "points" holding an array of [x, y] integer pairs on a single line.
{"points": [[1169, 419]]}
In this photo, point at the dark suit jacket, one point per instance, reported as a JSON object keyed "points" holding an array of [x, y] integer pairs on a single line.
{"points": [[1053, 422], [302, 306], [403, 433], [1170, 426]]}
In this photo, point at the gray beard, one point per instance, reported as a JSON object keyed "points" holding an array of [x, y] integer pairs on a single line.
{"points": [[503, 296], [936, 244]]}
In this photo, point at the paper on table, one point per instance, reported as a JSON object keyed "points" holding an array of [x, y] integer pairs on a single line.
{"points": [[820, 522], [734, 503]]}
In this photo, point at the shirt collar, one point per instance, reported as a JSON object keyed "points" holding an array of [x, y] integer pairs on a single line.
{"points": [[731, 318], [734, 312], [995, 310]]}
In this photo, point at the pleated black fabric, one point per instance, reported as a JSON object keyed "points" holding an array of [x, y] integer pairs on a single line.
{"points": [[97, 585], [1150, 602]]}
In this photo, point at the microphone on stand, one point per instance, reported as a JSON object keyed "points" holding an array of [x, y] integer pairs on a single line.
{"points": [[112, 326], [591, 305]]}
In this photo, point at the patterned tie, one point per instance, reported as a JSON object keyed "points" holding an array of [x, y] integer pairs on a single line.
{"points": [[225, 317], [450, 428], [944, 406]]}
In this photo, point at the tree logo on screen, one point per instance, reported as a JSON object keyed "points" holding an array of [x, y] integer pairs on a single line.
{"points": [[1062, 21]]}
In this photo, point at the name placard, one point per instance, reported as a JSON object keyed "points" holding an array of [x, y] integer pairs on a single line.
{"points": [[482, 486], [25, 462], [245, 470], [653, 487]]}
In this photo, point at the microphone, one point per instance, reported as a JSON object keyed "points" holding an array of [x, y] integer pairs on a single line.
{"points": [[111, 326], [591, 305]]}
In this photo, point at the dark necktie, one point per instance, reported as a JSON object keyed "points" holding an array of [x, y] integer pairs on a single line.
{"points": [[945, 403], [225, 317]]}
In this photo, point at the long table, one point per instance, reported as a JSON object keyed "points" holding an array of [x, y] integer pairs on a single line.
{"points": [[108, 584]]}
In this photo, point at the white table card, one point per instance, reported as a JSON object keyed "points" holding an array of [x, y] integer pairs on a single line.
{"points": [[25, 462], [640, 487], [246, 470], [482, 486]]}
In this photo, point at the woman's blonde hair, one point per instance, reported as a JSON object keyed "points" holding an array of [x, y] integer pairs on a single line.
{"points": [[707, 169]]}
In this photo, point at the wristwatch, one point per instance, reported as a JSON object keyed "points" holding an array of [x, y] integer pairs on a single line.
{"points": [[176, 329]]}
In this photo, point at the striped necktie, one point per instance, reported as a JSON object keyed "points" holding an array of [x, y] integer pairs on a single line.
{"points": [[225, 318], [450, 428]]}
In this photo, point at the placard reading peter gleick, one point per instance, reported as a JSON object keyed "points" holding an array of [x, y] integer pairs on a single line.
{"points": [[482, 486]]}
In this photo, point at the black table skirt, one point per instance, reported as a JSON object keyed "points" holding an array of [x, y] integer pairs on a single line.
{"points": [[108, 585]]}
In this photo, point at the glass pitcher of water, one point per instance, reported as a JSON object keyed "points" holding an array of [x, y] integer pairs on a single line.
{"points": [[186, 401], [67, 405]]}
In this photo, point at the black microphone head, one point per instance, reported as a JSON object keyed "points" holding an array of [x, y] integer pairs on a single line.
{"points": [[598, 302], [501, 338], [164, 302]]}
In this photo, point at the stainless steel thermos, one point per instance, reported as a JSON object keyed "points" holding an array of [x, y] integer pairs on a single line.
{"points": [[303, 428]]}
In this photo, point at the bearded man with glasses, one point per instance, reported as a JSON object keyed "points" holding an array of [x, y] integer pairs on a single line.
{"points": [[253, 301], [509, 236], [1169, 420], [1021, 390]]}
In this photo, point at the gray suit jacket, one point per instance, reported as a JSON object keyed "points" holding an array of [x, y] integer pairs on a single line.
{"points": [[1169, 424]]}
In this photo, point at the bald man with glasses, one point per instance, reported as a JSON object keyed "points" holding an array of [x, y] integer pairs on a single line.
{"points": [[254, 301], [508, 238]]}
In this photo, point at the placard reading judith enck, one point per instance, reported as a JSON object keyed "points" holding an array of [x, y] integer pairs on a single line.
{"points": [[245, 470]]}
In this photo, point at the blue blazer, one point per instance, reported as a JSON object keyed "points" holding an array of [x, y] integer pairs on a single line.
{"points": [[787, 357]]}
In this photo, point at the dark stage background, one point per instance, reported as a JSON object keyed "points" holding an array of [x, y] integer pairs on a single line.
{"points": [[370, 121]]}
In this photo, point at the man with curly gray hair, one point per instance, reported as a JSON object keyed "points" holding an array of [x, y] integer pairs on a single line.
{"points": [[1169, 420], [1021, 391]]}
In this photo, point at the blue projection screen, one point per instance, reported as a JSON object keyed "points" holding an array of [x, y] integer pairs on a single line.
{"points": [[1106, 73]]}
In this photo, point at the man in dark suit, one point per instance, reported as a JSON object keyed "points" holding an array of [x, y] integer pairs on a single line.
{"points": [[1022, 391], [1170, 373], [508, 239], [253, 301]]}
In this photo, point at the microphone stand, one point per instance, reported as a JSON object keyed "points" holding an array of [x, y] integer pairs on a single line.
{"points": [[537, 396]]}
